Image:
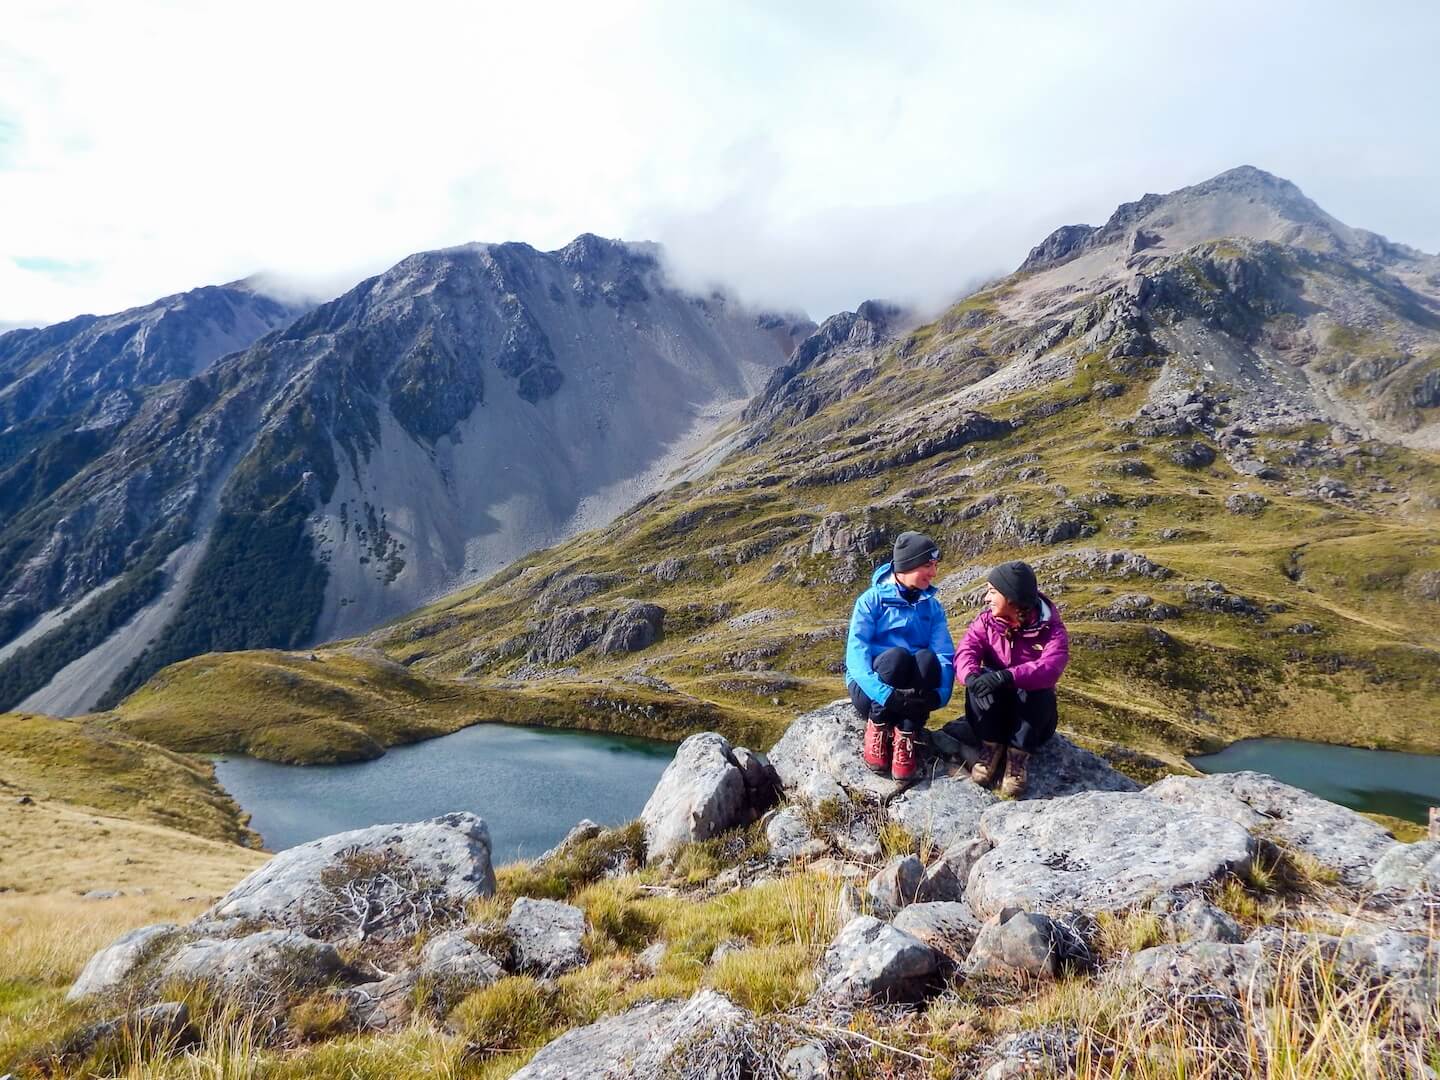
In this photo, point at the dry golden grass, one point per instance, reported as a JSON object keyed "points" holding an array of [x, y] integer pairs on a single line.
{"points": [[54, 847]]}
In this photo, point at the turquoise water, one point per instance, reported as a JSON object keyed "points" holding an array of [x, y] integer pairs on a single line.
{"points": [[1376, 781], [529, 784]]}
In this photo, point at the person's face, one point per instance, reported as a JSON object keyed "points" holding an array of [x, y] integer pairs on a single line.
{"points": [[1000, 607], [920, 577]]}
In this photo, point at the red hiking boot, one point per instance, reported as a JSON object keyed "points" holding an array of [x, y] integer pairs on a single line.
{"points": [[877, 747], [905, 761]]}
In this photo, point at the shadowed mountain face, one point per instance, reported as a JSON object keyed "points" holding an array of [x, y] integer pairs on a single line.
{"points": [[1205, 424], [435, 421]]}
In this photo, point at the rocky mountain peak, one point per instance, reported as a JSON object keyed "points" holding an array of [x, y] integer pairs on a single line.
{"points": [[1243, 202]]}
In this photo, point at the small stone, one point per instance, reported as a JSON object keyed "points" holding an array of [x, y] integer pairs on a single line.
{"points": [[1020, 941], [806, 1062], [650, 959], [849, 905], [947, 926], [102, 894], [898, 883], [1199, 920], [546, 936], [872, 961]]}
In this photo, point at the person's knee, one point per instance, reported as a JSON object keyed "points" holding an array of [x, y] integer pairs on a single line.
{"points": [[896, 666], [927, 665]]}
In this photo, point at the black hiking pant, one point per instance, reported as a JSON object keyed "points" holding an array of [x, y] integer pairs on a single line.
{"points": [[1024, 719], [903, 670]]}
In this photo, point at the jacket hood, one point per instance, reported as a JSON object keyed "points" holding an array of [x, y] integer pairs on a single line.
{"points": [[884, 575]]}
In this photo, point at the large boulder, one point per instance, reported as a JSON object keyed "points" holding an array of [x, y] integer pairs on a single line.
{"points": [[1099, 851], [383, 883], [258, 964], [546, 936], [1336, 837], [111, 966], [819, 759], [699, 1037], [873, 961], [709, 787]]}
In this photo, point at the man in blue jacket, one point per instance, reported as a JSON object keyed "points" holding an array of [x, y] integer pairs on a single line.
{"points": [[899, 660]]}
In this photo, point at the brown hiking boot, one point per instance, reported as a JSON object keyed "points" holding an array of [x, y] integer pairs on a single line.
{"points": [[1016, 774], [877, 747], [992, 760], [905, 762]]}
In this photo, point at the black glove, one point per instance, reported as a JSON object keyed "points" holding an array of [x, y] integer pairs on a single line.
{"points": [[985, 683], [930, 699]]}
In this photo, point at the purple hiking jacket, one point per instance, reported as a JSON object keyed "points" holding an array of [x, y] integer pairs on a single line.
{"points": [[1035, 654]]}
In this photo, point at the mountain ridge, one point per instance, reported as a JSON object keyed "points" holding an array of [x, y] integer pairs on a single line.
{"points": [[479, 334]]}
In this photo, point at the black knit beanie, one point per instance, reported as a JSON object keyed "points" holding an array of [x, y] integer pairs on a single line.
{"points": [[913, 549], [1016, 582]]}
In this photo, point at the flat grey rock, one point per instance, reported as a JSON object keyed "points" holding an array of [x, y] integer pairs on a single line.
{"points": [[257, 964], [1190, 967], [112, 965], [1099, 851], [701, 794], [546, 936], [300, 889], [873, 961], [1337, 837]]}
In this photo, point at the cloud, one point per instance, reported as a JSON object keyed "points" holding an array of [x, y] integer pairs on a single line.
{"points": [[807, 155]]}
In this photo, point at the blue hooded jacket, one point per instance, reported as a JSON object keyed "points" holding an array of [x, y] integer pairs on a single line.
{"points": [[883, 619]]}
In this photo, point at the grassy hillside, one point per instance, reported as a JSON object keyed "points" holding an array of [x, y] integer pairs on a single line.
{"points": [[85, 768]]}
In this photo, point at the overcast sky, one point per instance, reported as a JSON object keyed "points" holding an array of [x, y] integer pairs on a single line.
{"points": [[806, 154]]}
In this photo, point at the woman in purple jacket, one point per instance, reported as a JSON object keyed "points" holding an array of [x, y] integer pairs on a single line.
{"points": [[1010, 660]]}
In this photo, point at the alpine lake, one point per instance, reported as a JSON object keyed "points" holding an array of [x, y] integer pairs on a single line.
{"points": [[531, 785], [1389, 782]]}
